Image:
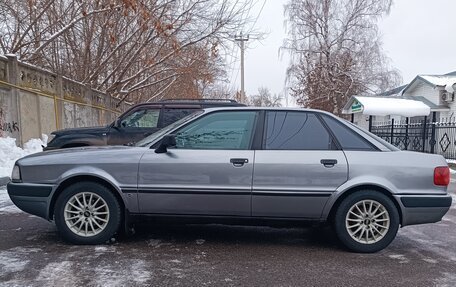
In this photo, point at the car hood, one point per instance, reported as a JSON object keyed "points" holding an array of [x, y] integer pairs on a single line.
{"points": [[83, 155], [87, 130]]}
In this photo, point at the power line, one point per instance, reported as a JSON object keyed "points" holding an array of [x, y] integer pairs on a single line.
{"points": [[258, 16]]}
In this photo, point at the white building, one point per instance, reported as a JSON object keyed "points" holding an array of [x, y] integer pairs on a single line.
{"points": [[435, 91]]}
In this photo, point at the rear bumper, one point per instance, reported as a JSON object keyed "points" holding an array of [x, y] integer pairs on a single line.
{"points": [[420, 209], [31, 198]]}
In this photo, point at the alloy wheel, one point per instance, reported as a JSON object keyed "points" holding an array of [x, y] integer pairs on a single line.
{"points": [[86, 214], [367, 221]]}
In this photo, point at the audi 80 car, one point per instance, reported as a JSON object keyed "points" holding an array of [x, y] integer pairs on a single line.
{"points": [[239, 165]]}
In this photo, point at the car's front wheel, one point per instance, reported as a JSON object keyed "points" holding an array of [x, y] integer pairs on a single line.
{"points": [[87, 213], [366, 221]]}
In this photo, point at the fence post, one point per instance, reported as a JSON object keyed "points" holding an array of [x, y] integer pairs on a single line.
{"points": [[433, 141], [424, 134], [392, 130], [406, 133], [58, 103]]}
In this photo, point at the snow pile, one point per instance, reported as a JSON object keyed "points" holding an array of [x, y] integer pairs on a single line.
{"points": [[6, 205], [10, 152], [452, 170]]}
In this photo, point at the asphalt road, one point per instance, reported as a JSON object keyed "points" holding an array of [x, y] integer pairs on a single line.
{"points": [[32, 254]]}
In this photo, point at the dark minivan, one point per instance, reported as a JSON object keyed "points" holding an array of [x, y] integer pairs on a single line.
{"points": [[135, 124]]}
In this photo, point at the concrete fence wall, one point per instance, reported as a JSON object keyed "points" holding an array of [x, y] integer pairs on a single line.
{"points": [[34, 101]]}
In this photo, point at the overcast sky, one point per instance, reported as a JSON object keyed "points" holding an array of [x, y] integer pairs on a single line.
{"points": [[418, 36]]}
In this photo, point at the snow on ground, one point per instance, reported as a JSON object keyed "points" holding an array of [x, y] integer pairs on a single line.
{"points": [[453, 195], [10, 152]]}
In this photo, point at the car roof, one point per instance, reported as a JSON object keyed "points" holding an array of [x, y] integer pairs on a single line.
{"points": [[197, 103], [219, 102]]}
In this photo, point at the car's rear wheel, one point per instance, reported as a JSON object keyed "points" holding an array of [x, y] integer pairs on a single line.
{"points": [[87, 213], [366, 221]]}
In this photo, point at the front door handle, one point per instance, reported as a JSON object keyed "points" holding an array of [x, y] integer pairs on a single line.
{"points": [[328, 162], [238, 162]]}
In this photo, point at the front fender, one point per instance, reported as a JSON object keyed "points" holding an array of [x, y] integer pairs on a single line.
{"points": [[129, 199]]}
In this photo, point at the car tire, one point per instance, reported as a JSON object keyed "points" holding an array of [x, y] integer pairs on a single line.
{"points": [[87, 213], [366, 221]]}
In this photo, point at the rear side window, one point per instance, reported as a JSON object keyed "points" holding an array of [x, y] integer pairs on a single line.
{"points": [[296, 131], [348, 139], [173, 115]]}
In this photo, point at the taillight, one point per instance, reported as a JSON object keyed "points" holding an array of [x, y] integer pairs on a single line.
{"points": [[442, 175]]}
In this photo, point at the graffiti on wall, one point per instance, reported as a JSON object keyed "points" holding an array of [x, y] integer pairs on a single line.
{"points": [[10, 127]]}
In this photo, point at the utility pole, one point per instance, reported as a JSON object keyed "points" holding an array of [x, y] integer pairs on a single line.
{"points": [[240, 38]]}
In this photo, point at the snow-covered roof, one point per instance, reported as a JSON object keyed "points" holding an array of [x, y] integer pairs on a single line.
{"points": [[446, 81], [393, 92], [384, 106]]}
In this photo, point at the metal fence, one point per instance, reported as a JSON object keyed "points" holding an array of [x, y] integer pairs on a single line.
{"points": [[423, 136]]}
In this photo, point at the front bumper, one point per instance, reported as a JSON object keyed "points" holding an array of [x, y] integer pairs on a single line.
{"points": [[31, 198], [420, 209]]}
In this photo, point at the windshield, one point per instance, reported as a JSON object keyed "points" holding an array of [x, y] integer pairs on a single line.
{"points": [[150, 139]]}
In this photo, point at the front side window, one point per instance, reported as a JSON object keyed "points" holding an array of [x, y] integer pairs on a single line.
{"points": [[145, 118], [219, 130], [296, 131]]}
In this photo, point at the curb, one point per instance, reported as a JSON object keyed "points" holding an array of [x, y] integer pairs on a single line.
{"points": [[4, 180]]}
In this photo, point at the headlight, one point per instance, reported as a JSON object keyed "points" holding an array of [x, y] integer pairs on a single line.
{"points": [[16, 174]]}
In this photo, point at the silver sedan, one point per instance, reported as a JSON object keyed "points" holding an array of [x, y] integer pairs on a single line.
{"points": [[243, 166]]}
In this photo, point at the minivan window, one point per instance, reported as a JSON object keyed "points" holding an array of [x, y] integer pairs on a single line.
{"points": [[148, 141], [144, 118], [172, 115], [296, 131]]}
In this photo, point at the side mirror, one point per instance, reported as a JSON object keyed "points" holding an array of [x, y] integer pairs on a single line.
{"points": [[117, 123], [166, 142]]}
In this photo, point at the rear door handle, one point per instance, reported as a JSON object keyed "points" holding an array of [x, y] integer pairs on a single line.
{"points": [[328, 162], [238, 162]]}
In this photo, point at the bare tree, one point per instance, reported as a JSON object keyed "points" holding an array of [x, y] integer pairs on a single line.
{"points": [[265, 98], [143, 50], [336, 51]]}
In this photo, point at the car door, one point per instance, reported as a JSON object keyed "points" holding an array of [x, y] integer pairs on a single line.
{"points": [[135, 125], [298, 168], [209, 172]]}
